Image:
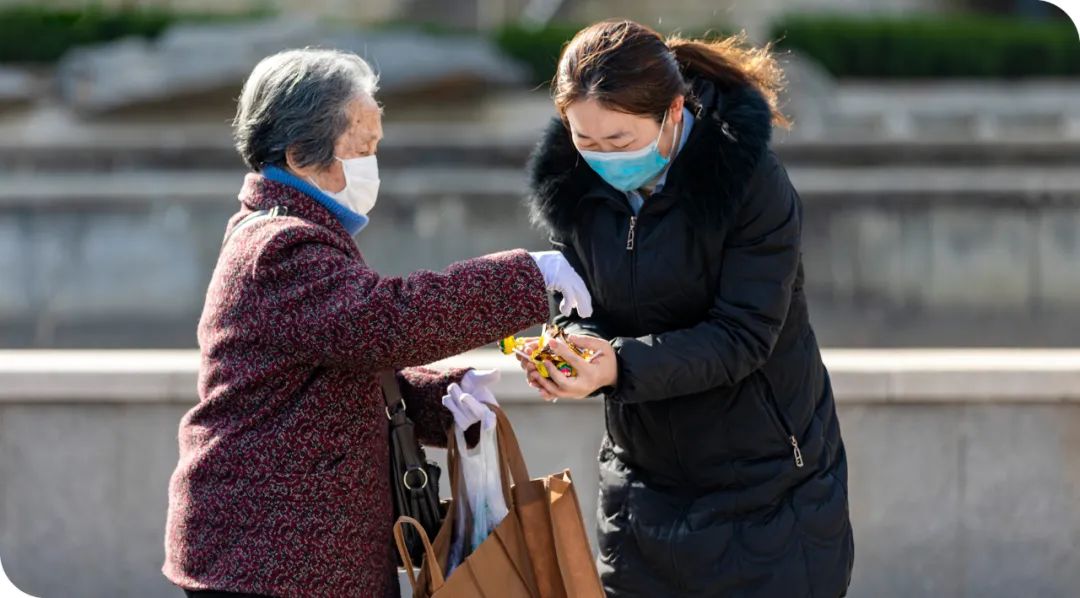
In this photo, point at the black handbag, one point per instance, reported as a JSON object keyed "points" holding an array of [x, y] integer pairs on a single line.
{"points": [[414, 481]]}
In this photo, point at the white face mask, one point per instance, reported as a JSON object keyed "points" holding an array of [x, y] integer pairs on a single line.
{"points": [[361, 184]]}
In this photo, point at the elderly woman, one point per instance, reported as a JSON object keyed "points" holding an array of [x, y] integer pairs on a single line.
{"points": [[282, 487]]}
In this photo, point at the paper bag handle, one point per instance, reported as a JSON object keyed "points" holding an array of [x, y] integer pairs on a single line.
{"points": [[512, 468], [434, 569], [509, 450]]}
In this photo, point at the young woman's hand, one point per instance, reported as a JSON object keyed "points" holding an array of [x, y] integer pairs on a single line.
{"points": [[592, 375]]}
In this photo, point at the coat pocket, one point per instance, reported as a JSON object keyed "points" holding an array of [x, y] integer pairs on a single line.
{"points": [[821, 506], [779, 419]]}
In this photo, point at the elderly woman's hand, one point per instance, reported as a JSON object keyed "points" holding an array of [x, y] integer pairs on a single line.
{"points": [[560, 276], [602, 370], [478, 383], [466, 409]]}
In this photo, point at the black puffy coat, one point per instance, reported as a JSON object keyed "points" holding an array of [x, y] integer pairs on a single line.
{"points": [[723, 471]]}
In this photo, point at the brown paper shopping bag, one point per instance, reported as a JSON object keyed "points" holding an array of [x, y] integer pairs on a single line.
{"points": [[540, 550]]}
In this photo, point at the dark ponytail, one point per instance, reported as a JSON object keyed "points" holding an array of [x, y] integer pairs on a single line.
{"points": [[731, 62], [630, 67]]}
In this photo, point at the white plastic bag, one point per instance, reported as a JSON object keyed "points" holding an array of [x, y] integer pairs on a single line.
{"points": [[482, 506]]}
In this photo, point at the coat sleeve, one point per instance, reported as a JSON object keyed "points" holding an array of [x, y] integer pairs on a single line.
{"points": [[758, 271], [423, 389], [330, 308]]}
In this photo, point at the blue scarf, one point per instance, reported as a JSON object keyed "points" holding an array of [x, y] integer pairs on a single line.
{"points": [[352, 221]]}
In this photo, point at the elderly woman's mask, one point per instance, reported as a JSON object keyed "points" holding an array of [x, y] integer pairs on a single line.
{"points": [[361, 184]]}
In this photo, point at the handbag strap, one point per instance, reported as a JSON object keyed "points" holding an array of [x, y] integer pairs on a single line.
{"points": [[252, 217], [435, 571], [391, 393]]}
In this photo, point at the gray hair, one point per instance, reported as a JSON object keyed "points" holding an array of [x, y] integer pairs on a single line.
{"points": [[298, 100]]}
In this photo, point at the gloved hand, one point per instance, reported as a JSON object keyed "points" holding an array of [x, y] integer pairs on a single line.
{"points": [[560, 276], [478, 383], [466, 409]]}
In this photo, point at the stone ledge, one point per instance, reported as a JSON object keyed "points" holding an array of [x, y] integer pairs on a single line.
{"points": [[874, 376]]}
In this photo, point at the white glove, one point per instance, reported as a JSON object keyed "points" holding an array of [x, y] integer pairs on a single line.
{"points": [[466, 409], [560, 276], [478, 383]]}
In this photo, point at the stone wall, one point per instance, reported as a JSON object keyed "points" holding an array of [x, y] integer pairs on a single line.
{"points": [[895, 255], [936, 214], [962, 468]]}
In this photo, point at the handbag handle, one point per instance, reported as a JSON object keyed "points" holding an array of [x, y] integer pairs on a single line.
{"points": [[437, 579]]}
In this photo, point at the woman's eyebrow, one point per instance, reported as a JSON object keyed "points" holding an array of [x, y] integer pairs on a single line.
{"points": [[608, 138]]}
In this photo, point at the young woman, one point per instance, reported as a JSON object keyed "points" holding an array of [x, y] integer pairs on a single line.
{"points": [[722, 472]]}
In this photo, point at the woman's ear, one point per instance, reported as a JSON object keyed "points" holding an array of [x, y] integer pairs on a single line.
{"points": [[675, 111], [294, 164], [322, 177]]}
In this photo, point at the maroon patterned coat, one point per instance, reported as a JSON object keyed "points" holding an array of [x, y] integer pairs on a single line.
{"points": [[282, 485]]}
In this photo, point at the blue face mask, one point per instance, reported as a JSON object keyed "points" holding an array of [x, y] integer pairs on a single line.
{"points": [[630, 170]]}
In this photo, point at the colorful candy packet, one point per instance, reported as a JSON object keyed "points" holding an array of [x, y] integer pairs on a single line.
{"points": [[544, 353]]}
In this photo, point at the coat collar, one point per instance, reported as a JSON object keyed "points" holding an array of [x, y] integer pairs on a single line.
{"points": [[259, 192], [708, 177], [352, 221]]}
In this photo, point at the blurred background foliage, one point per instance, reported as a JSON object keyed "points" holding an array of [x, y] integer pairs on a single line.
{"points": [[933, 47], [866, 46], [33, 33]]}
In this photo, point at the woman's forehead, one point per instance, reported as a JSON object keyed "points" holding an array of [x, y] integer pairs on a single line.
{"points": [[589, 118], [365, 119], [364, 109]]}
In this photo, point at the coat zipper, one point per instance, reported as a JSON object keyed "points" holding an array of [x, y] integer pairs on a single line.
{"points": [[631, 236], [781, 421]]}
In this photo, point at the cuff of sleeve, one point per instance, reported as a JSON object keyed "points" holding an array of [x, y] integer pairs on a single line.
{"points": [[423, 389], [534, 281], [618, 391]]}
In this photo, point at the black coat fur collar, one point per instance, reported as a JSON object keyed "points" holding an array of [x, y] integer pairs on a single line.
{"points": [[709, 176]]}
